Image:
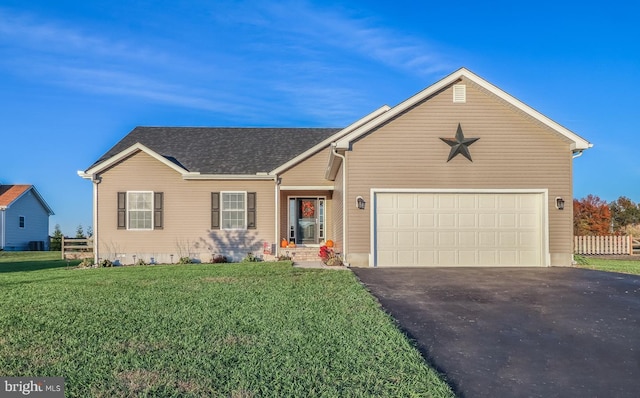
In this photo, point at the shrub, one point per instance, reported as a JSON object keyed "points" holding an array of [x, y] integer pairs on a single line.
{"points": [[105, 263], [329, 257], [185, 260], [86, 263], [219, 258], [141, 262], [251, 258]]}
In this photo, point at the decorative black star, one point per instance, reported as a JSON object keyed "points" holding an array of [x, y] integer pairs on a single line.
{"points": [[459, 145]]}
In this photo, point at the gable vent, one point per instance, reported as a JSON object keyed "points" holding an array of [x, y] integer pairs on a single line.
{"points": [[459, 93]]}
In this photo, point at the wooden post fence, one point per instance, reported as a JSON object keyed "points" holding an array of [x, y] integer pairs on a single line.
{"points": [[73, 248], [609, 244]]}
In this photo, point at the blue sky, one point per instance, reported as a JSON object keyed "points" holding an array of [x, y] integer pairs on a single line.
{"points": [[76, 76]]}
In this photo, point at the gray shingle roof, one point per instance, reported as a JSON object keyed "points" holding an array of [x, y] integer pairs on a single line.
{"points": [[224, 150]]}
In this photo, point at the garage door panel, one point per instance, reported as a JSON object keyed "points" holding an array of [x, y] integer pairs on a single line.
{"points": [[426, 220], [446, 201], [406, 202], [446, 239], [446, 220], [406, 220], [468, 239], [427, 257], [426, 239], [438, 229], [529, 220], [507, 220], [447, 257], [487, 220], [407, 257], [466, 220], [406, 239], [467, 202], [468, 257], [385, 220]]}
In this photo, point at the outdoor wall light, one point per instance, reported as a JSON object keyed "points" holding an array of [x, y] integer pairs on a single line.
{"points": [[360, 203], [559, 203]]}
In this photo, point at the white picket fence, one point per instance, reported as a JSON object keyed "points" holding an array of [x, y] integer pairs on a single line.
{"points": [[608, 244]]}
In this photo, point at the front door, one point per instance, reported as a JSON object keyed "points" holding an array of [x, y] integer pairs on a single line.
{"points": [[306, 220]]}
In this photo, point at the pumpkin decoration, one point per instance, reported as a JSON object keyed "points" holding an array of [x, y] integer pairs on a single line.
{"points": [[283, 243], [329, 243], [292, 244]]}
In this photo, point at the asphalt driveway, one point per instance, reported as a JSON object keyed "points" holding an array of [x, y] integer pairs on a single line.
{"points": [[519, 332]]}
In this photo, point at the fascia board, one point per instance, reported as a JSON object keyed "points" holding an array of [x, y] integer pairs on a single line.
{"points": [[345, 142], [324, 144], [198, 176], [37, 195], [128, 152], [578, 143], [42, 201]]}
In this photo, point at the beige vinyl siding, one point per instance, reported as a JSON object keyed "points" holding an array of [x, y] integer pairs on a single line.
{"points": [[187, 214], [309, 172], [514, 152]]}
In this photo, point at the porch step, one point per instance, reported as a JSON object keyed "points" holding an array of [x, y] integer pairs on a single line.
{"points": [[302, 253]]}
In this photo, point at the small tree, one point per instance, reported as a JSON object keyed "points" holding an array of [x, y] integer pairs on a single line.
{"points": [[80, 232], [89, 231], [591, 216], [56, 239], [624, 214]]}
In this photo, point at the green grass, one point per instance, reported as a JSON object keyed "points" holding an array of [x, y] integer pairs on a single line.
{"points": [[228, 330], [601, 264]]}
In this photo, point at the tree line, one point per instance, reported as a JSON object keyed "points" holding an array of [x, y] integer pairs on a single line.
{"points": [[56, 238], [594, 216]]}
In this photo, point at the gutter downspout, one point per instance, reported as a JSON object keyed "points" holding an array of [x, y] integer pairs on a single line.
{"points": [[96, 251], [277, 225], [344, 202]]}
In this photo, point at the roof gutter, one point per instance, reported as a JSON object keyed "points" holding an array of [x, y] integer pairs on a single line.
{"points": [[257, 176]]}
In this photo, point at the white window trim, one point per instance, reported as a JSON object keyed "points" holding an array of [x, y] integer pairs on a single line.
{"points": [[151, 211], [24, 222], [222, 210]]}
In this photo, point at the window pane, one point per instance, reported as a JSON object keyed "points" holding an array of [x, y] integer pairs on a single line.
{"points": [[140, 210], [233, 210], [233, 201]]}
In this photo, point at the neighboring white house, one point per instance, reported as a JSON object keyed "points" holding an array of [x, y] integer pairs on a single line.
{"points": [[24, 218]]}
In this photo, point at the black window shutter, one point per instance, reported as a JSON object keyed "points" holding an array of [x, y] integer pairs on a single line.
{"points": [[251, 210], [158, 206], [122, 210], [215, 210]]}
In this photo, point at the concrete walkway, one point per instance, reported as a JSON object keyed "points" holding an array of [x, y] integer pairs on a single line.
{"points": [[316, 264], [520, 332]]}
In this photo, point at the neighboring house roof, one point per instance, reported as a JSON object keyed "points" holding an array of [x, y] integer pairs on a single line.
{"points": [[11, 193], [578, 144], [221, 150]]}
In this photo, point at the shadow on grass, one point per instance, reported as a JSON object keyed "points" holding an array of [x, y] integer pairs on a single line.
{"points": [[28, 261]]}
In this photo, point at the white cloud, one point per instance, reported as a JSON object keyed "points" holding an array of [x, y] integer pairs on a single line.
{"points": [[302, 22]]}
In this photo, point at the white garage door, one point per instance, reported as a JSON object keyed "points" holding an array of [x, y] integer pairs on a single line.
{"points": [[459, 229]]}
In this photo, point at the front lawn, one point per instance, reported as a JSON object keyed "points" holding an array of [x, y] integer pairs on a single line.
{"points": [[232, 330], [602, 264]]}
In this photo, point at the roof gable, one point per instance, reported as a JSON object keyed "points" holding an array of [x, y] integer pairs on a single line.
{"points": [[577, 143], [9, 194]]}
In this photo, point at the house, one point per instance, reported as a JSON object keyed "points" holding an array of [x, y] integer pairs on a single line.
{"points": [[24, 218], [460, 174]]}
